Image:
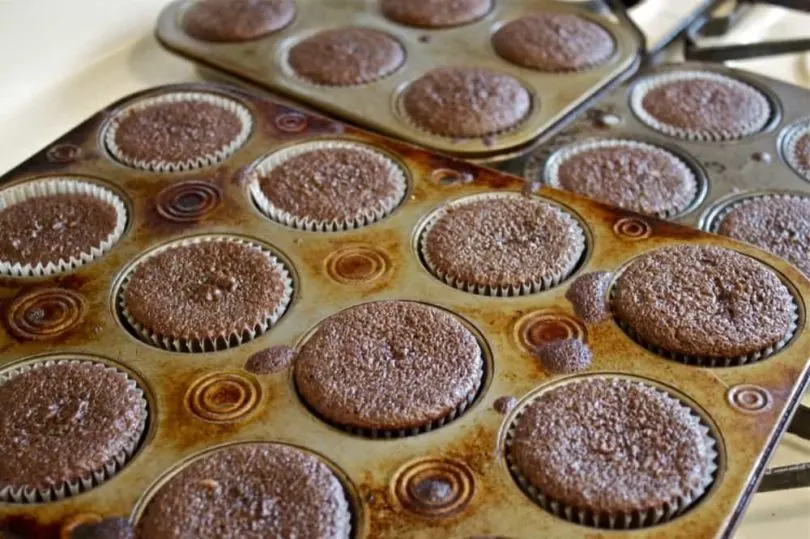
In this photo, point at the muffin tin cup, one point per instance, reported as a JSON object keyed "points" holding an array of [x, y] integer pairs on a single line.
{"points": [[680, 501], [552, 167], [240, 111], [208, 343], [790, 151], [713, 225], [56, 186], [22, 495], [279, 215], [649, 83], [522, 289]]}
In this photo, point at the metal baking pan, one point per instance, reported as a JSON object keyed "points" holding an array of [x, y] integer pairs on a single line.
{"points": [[375, 105], [487, 500]]}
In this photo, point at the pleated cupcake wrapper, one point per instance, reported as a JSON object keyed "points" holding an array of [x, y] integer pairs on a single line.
{"points": [[552, 166], [707, 361], [618, 520], [223, 340], [54, 187], [154, 165], [789, 150], [644, 86], [543, 283], [714, 225], [370, 215], [11, 494]]}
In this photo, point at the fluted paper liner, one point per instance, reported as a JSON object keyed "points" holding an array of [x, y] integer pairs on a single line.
{"points": [[619, 520], [542, 283], [224, 340], [266, 165], [552, 167], [645, 85], [24, 494], [240, 111], [714, 224], [790, 151], [56, 186]]}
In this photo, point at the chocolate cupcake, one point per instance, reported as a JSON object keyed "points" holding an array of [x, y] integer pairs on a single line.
{"points": [[250, 490], [55, 225], [466, 102], [435, 13], [629, 174], [796, 149], [700, 105], [346, 56], [66, 427], [611, 453], [236, 20], [205, 294], [177, 131], [327, 186], [704, 305], [502, 244], [554, 42], [777, 223], [389, 368]]}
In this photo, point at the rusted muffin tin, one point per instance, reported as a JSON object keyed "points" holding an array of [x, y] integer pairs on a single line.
{"points": [[197, 401], [726, 171], [376, 105]]}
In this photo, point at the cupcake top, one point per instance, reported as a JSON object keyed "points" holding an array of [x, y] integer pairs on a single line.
{"points": [[702, 301], [342, 184], [612, 446], [797, 153], [466, 102], [553, 42], [177, 131], [346, 56], [779, 224], [250, 491], [435, 13], [390, 365], [44, 230], [696, 105], [207, 290], [236, 20], [502, 245], [632, 175], [62, 422]]}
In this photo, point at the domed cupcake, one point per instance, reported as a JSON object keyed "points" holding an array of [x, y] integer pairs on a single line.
{"points": [[236, 20]]}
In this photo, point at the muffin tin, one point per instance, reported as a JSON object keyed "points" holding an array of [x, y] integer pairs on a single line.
{"points": [[727, 171], [377, 105], [200, 400]]}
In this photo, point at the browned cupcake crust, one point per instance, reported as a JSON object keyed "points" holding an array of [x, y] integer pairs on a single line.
{"points": [[704, 302], [505, 244], [612, 446], [337, 185], [50, 228], [779, 224], [64, 421], [588, 296], [798, 153], [346, 56], [564, 356], [634, 176], [435, 13], [466, 102], [250, 491], [205, 290], [555, 42], [236, 20], [390, 365]]}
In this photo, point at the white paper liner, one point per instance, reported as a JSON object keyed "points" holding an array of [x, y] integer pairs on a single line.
{"points": [[541, 283], [219, 342], [789, 149], [240, 111], [552, 167], [707, 361], [619, 520], [107, 471], [56, 186], [645, 85], [303, 222]]}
